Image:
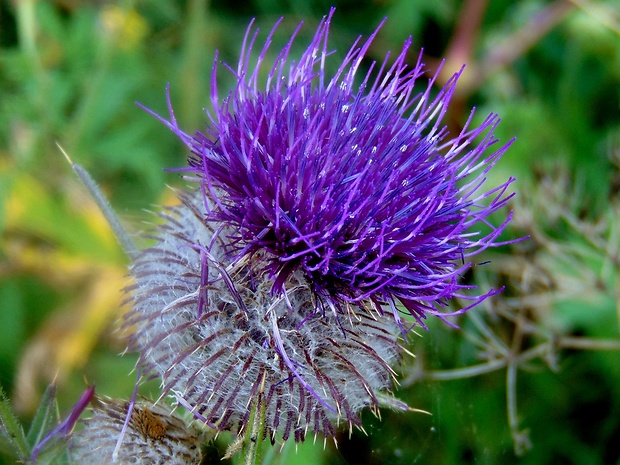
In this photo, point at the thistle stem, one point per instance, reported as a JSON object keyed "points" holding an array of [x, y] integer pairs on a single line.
{"points": [[582, 343], [255, 434]]}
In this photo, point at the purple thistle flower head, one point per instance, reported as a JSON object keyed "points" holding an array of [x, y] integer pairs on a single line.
{"points": [[323, 202], [352, 179]]}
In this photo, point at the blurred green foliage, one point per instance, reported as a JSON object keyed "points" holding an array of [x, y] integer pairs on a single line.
{"points": [[70, 71]]}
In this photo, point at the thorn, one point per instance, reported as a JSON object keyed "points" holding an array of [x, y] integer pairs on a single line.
{"points": [[419, 410], [408, 352]]}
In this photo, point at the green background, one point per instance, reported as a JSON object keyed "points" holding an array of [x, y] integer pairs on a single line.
{"points": [[70, 72]]}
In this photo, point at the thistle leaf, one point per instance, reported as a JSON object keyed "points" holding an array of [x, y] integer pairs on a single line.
{"points": [[11, 427], [45, 418]]}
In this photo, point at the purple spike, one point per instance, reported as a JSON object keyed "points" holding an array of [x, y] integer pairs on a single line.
{"points": [[68, 424]]}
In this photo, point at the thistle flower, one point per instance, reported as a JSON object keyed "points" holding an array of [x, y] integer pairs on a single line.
{"points": [[324, 204], [154, 435], [356, 185]]}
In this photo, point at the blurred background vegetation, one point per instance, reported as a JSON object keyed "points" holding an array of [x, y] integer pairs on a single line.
{"points": [[532, 376]]}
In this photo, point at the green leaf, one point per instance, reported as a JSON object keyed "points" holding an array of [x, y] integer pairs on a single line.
{"points": [[46, 417], [11, 428]]}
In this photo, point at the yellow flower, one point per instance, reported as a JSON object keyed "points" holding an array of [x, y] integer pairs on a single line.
{"points": [[125, 28]]}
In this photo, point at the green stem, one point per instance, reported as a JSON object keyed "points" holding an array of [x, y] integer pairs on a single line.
{"points": [[196, 43], [254, 437], [520, 439], [467, 372], [255, 434], [585, 343], [581, 343]]}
